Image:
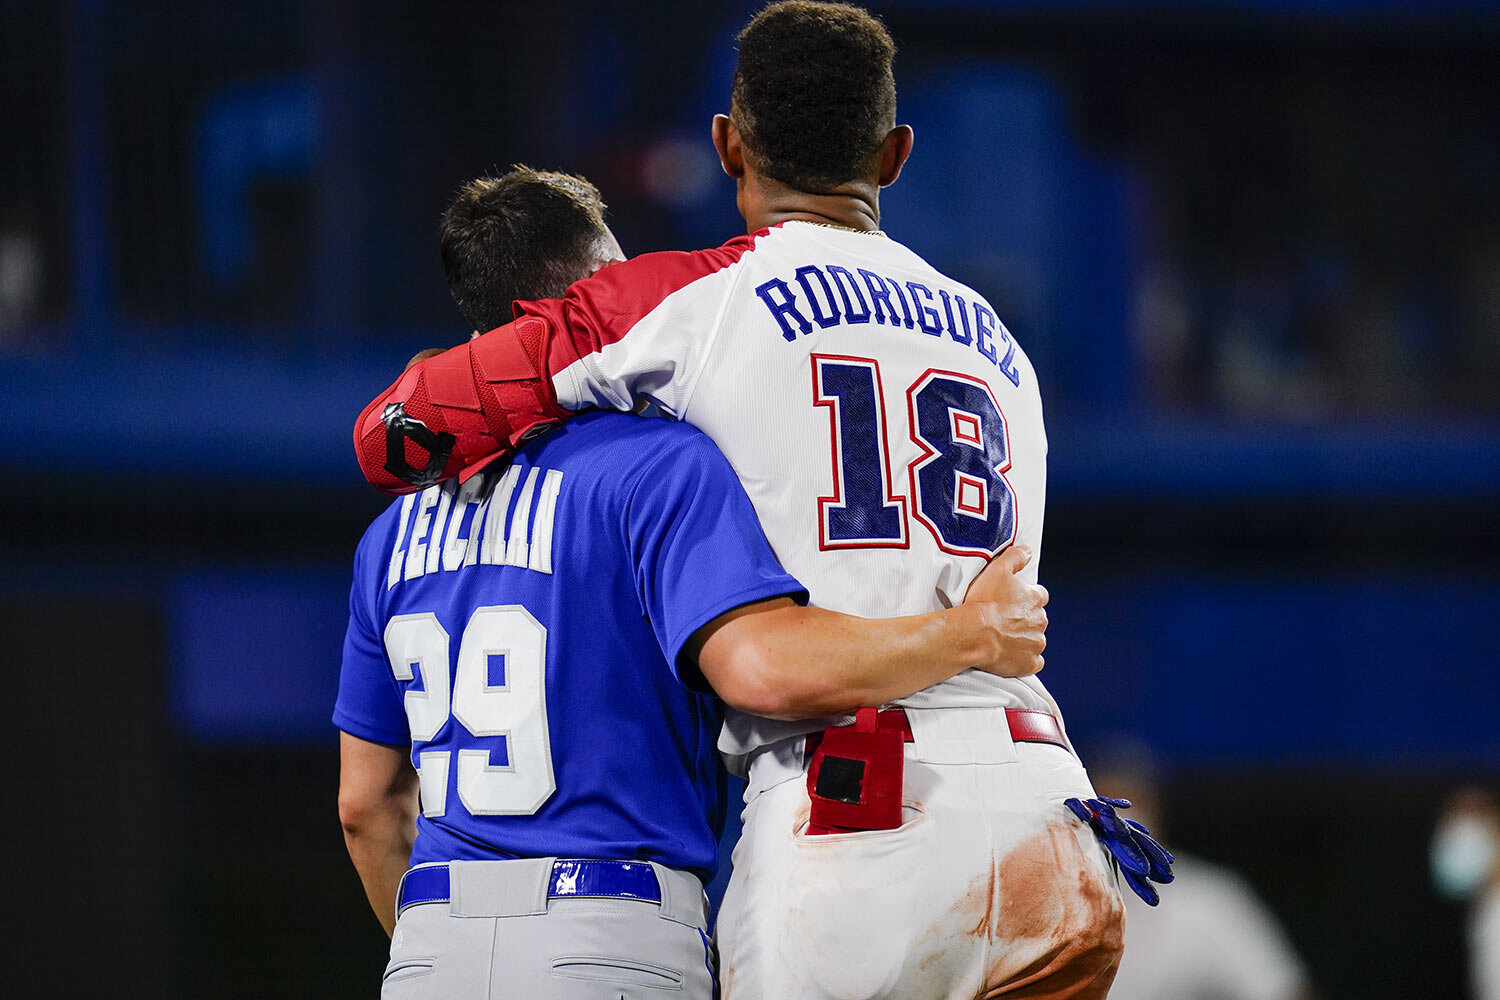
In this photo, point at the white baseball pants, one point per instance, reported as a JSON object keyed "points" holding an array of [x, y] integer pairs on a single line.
{"points": [[990, 888]]}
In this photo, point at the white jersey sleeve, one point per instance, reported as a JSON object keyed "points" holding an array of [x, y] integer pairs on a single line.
{"points": [[641, 328]]}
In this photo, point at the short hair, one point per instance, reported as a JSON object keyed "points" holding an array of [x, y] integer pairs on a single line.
{"points": [[527, 234], [813, 93]]}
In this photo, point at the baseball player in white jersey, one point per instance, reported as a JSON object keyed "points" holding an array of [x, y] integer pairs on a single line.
{"points": [[888, 429], [534, 619]]}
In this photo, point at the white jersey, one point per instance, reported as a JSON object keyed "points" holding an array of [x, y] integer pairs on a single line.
{"points": [[885, 423]]}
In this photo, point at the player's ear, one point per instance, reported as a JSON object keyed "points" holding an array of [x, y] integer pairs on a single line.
{"points": [[606, 251], [893, 153], [727, 142], [431, 352]]}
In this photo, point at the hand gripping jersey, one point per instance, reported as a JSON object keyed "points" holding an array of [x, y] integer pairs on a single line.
{"points": [[885, 423], [521, 632]]}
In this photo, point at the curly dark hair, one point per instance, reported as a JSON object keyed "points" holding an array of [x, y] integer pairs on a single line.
{"points": [[527, 234], [813, 93]]}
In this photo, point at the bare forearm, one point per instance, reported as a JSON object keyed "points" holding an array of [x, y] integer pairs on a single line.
{"points": [[380, 847], [378, 801], [796, 662]]}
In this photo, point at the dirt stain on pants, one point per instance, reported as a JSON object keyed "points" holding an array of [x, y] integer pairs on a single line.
{"points": [[1058, 924]]}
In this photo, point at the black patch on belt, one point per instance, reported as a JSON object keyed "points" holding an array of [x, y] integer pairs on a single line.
{"points": [[841, 779]]}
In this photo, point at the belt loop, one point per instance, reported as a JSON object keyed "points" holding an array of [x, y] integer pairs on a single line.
{"points": [[682, 899], [962, 735], [500, 889]]}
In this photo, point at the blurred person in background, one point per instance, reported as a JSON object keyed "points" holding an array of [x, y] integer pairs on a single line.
{"points": [[21, 276], [1465, 860], [1216, 940]]}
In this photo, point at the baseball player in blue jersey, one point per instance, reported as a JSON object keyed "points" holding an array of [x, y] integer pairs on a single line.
{"points": [[529, 785]]}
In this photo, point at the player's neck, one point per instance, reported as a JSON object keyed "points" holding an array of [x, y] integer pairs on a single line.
{"points": [[766, 202]]}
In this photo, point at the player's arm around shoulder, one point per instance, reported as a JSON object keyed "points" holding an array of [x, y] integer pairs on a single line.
{"points": [[473, 404], [378, 812], [776, 659]]}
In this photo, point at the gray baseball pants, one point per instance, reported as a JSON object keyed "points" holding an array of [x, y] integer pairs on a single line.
{"points": [[500, 936]]}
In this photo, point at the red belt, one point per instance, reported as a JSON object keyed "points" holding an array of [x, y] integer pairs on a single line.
{"points": [[1027, 725]]}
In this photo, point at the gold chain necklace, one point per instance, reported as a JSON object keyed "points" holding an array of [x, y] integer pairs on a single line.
{"points": [[847, 229]]}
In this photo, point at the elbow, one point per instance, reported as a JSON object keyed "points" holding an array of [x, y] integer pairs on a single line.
{"points": [[353, 816], [764, 701], [358, 814], [761, 684]]}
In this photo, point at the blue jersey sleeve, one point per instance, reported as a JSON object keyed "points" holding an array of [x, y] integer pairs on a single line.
{"points": [[699, 549], [369, 703]]}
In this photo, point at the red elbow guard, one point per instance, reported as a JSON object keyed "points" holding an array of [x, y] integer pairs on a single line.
{"points": [[454, 414]]}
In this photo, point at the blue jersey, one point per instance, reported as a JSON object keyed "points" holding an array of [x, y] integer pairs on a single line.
{"points": [[523, 633]]}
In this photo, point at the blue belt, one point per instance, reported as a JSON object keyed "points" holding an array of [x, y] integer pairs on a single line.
{"points": [[570, 877]]}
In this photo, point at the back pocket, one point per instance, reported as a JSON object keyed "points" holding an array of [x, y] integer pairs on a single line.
{"points": [[405, 978], [617, 970]]}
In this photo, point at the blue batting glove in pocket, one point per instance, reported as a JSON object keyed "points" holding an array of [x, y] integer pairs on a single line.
{"points": [[1142, 860]]}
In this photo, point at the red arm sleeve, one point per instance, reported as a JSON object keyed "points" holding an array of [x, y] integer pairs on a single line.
{"points": [[454, 414]]}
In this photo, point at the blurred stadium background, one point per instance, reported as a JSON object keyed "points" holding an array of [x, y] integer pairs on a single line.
{"points": [[1252, 246]]}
